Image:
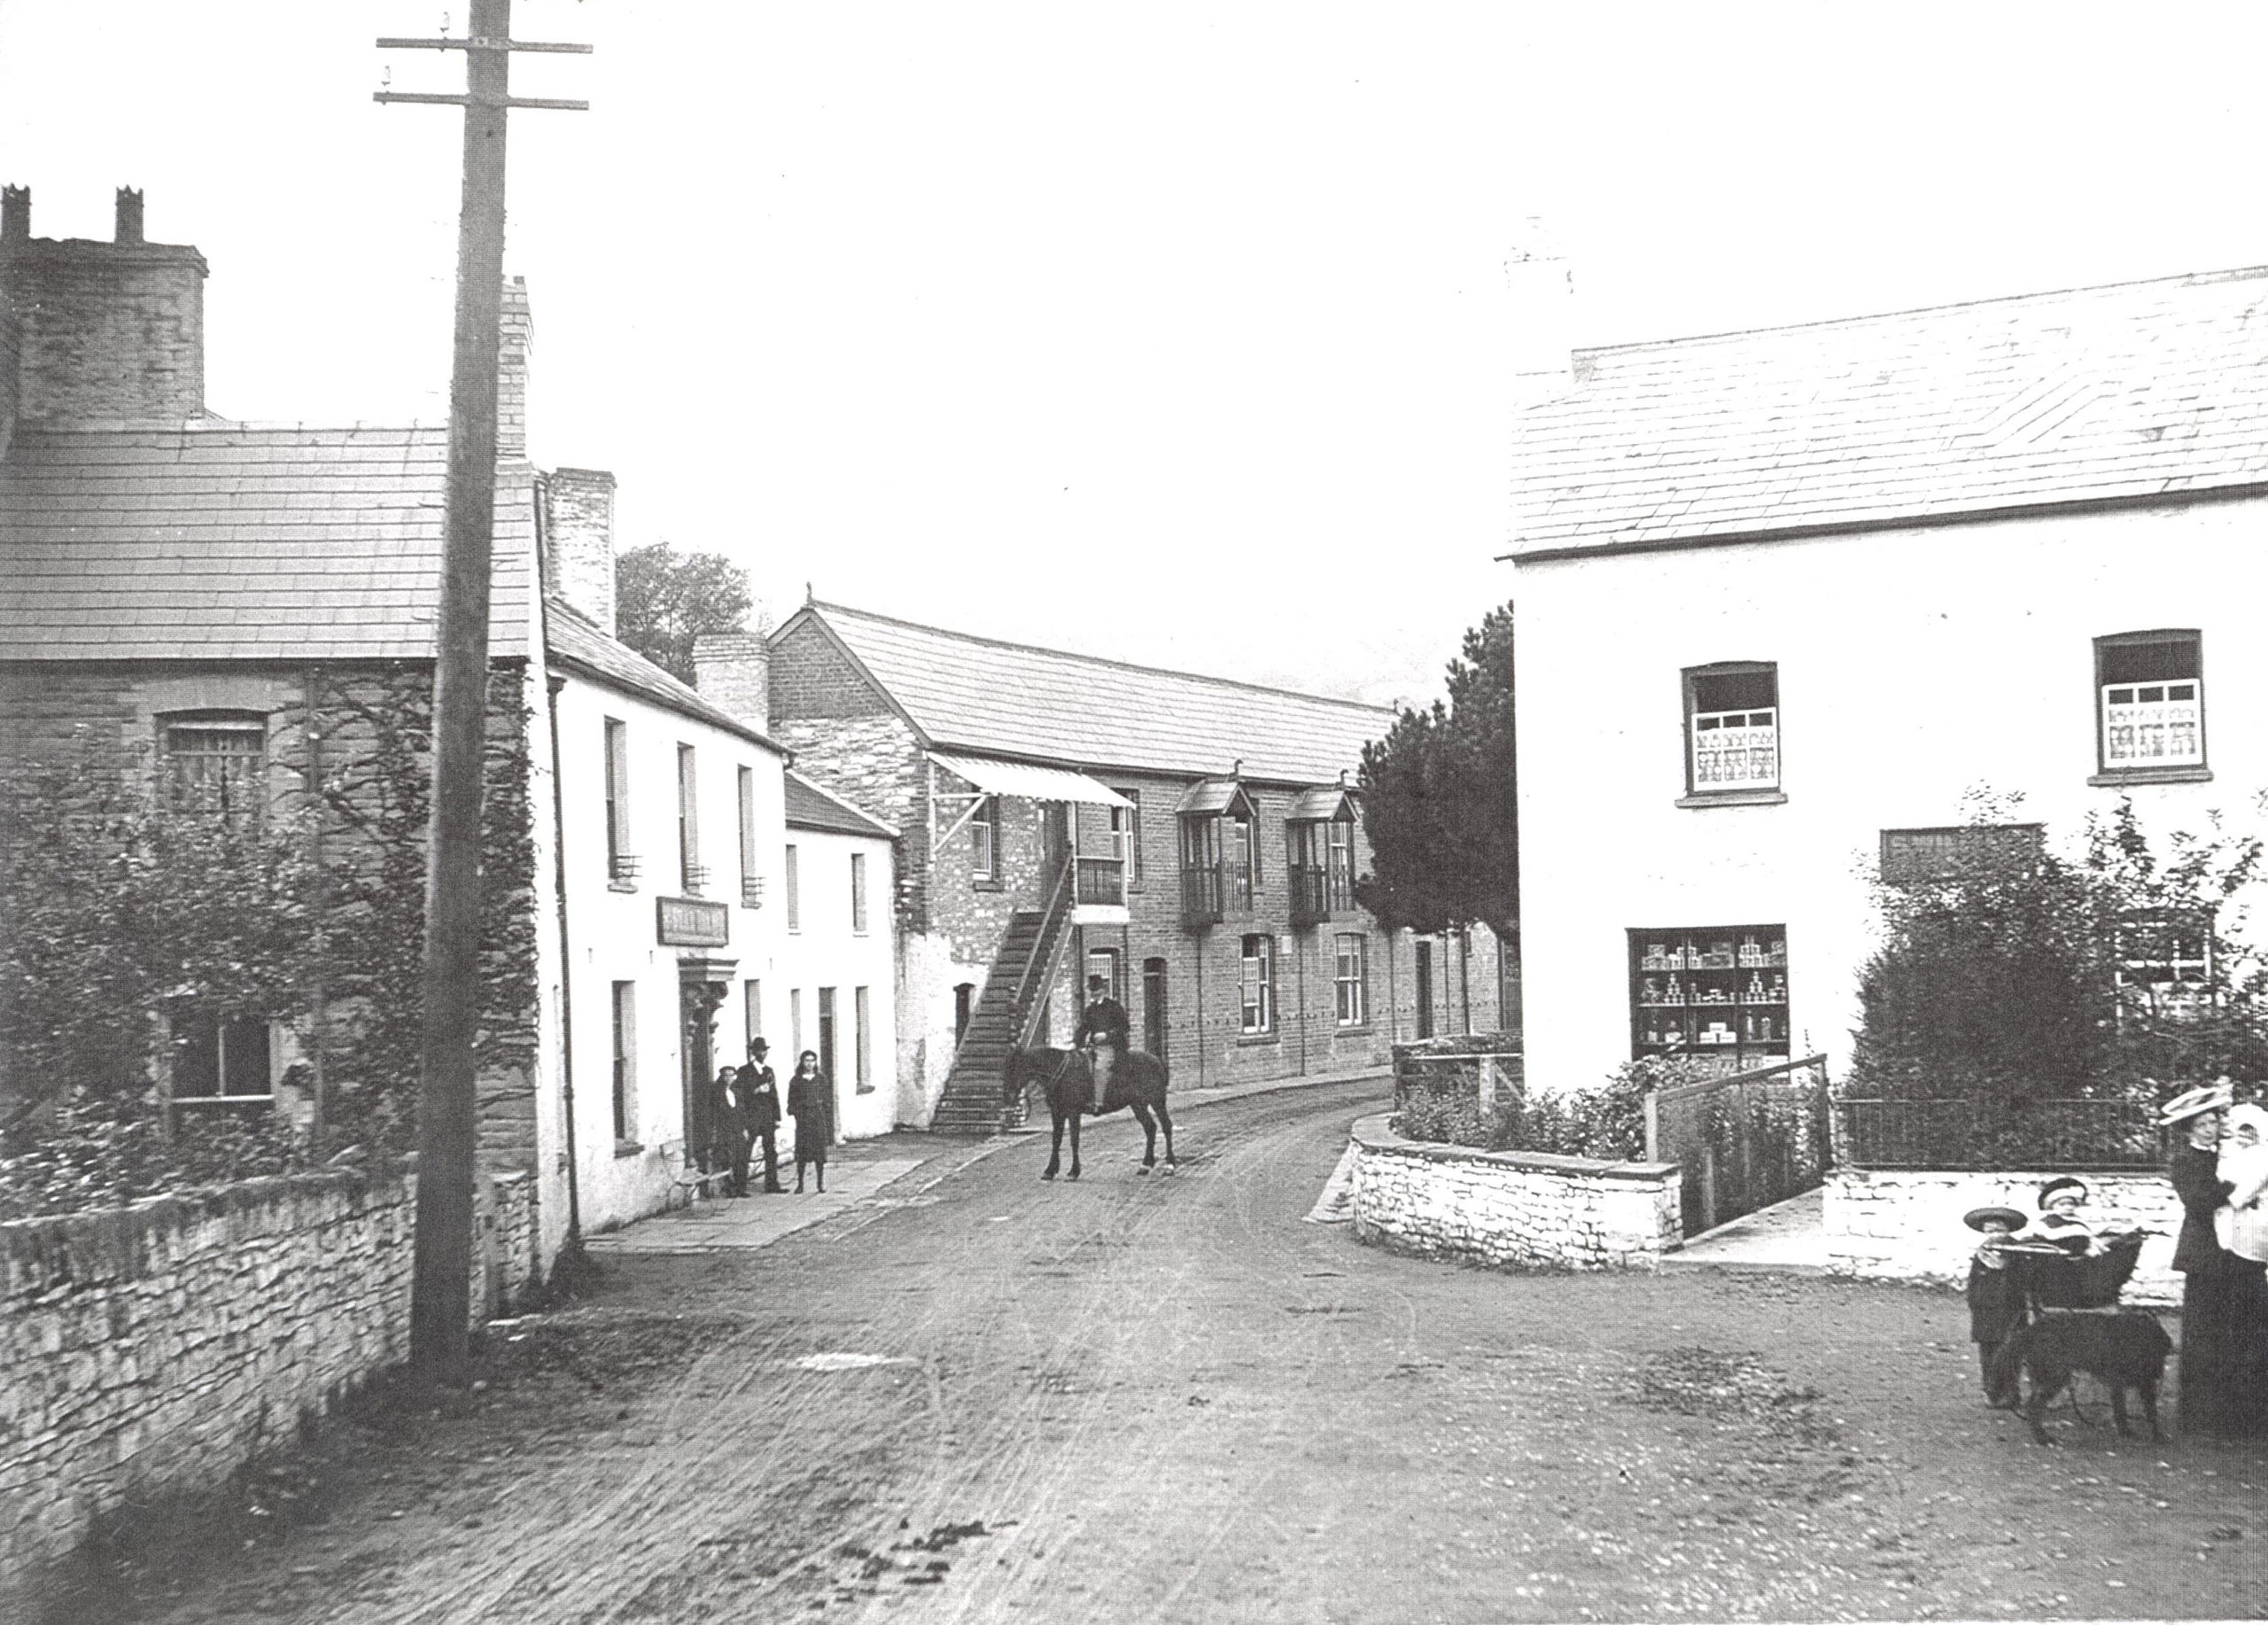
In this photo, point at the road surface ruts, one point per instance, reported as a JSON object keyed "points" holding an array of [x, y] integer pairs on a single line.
{"points": [[1172, 1400]]}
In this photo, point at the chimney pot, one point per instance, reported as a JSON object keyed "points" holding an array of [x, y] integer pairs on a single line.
{"points": [[129, 216], [15, 215]]}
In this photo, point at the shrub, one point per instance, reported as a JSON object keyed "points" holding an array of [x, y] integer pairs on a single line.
{"points": [[2016, 975]]}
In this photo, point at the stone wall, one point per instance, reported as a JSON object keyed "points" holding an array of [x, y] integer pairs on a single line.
{"points": [[1895, 1225], [154, 1350], [1511, 1209]]}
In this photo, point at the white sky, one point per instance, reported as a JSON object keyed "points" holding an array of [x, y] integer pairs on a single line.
{"points": [[1183, 333]]}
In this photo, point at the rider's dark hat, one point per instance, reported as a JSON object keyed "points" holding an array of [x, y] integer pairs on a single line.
{"points": [[2066, 1183], [1095, 982]]}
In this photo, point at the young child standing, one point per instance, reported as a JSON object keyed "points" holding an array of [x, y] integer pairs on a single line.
{"points": [[1995, 1301]]}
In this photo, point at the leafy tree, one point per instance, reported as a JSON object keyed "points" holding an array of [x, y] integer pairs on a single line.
{"points": [[1441, 800], [665, 599]]}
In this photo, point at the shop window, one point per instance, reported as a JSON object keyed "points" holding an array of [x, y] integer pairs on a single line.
{"points": [[1716, 993]]}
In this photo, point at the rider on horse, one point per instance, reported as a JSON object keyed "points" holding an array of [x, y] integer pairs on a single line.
{"points": [[1104, 1033]]}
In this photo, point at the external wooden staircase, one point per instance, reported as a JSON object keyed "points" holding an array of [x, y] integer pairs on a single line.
{"points": [[1006, 1016]]}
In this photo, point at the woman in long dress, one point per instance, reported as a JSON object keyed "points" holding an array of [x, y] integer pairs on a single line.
{"points": [[810, 1103], [2224, 1369]]}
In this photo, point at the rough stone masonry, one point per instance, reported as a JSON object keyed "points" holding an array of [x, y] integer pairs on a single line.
{"points": [[155, 1349]]}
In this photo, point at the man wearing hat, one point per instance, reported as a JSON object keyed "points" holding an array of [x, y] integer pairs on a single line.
{"points": [[2223, 1370], [1104, 1028], [1995, 1301], [759, 1089]]}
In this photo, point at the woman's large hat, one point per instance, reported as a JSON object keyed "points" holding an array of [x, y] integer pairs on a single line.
{"points": [[2216, 1096]]}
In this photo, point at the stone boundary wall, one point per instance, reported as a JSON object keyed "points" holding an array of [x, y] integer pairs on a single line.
{"points": [[1884, 1224], [154, 1350], [1521, 1210]]}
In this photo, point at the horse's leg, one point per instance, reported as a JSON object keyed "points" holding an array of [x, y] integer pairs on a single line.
{"points": [[1075, 1140], [1055, 1151], [1149, 1136], [1165, 1118]]}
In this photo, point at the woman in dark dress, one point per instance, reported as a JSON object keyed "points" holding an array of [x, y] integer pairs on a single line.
{"points": [[2223, 1370], [810, 1103]]}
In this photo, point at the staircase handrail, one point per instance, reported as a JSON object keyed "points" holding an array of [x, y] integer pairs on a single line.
{"points": [[1040, 968]]}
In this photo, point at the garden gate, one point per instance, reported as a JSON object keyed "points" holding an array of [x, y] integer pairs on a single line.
{"points": [[1742, 1141]]}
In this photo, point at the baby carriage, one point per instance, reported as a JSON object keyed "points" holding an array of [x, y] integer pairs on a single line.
{"points": [[2051, 1276]]}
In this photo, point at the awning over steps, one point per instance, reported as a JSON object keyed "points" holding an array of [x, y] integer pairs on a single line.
{"points": [[1032, 783]]}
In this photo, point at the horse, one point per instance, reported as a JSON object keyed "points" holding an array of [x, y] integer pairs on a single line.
{"points": [[1067, 1076]]}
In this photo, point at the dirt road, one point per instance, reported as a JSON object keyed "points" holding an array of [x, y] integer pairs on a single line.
{"points": [[1170, 1399]]}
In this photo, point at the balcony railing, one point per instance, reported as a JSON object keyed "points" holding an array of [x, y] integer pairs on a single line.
{"points": [[1310, 894], [1200, 895], [751, 891], [622, 868], [1101, 881], [694, 877]]}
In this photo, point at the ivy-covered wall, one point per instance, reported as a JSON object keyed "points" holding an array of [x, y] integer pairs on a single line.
{"points": [[311, 914]]}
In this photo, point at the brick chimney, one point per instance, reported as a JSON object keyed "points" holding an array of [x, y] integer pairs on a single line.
{"points": [[102, 331], [578, 540], [732, 670], [517, 342]]}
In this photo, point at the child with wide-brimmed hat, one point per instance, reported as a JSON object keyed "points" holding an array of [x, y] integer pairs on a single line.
{"points": [[1996, 1303]]}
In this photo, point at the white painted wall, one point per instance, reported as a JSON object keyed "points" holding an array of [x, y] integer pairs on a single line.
{"points": [[1914, 665], [826, 950], [613, 934]]}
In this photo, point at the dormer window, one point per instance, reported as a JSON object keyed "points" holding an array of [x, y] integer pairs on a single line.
{"points": [[1220, 851]]}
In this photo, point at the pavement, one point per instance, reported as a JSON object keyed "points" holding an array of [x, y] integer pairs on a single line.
{"points": [[1787, 1237], [890, 1171]]}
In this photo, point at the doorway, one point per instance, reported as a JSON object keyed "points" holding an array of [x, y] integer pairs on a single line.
{"points": [[964, 1007], [826, 1032], [1424, 990], [1154, 1008]]}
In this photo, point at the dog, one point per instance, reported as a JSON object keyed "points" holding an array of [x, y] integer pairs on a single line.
{"points": [[2125, 1350]]}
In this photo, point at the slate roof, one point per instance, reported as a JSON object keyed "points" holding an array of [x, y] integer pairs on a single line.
{"points": [[217, 540], [2141, 390], [575, 645], [1048, 705], [809, 807]]}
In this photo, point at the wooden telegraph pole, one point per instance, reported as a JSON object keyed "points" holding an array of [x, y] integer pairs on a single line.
{"points": [[440, 1304]]}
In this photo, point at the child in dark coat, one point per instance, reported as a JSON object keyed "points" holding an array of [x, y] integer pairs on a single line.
{"points": [[1996, 1307]]}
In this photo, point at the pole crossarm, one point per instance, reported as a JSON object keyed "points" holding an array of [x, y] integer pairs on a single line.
{"points": [[484, 44], [431, 99]]}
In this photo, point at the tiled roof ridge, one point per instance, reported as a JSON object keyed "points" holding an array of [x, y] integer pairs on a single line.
{"points": [[2188, 279], [848, 805], [1099, 660]]}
